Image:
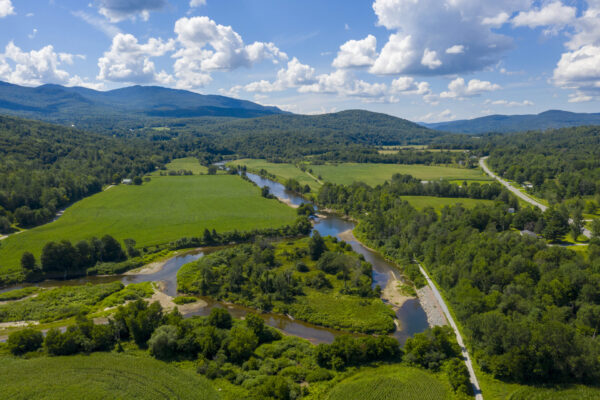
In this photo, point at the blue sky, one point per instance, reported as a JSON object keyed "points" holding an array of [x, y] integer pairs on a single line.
{"points": [[425, 60]]}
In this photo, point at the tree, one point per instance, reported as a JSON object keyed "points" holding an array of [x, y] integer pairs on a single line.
{"points": [[163, 343], [577, 224], [220, 318], [4, 225], [241, 343], [316, 246], [137, 180], [557, 225], [212, 170], [27, 262], [458, 375], [24, 341], [596, 228], [111, 249]]}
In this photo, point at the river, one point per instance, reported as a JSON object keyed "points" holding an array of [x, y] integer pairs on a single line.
{"points": [[411, 316]]}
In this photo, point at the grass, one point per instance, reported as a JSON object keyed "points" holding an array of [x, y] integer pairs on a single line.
{"points": [[421, 202], [391, 383], [371, 174], [283, 171], [374, 174], [59, 303], [162, 210], [99, 376], [18, 293], [188, 164]]}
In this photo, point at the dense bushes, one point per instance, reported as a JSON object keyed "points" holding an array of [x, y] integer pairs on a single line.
{"points": [[24, 341], [350, 351]]}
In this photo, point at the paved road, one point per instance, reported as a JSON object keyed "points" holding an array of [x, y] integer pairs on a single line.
{"points": [[465, 353], [482, 163]]}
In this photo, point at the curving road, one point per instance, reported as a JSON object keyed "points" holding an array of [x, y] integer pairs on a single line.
{"points": [[586, 232], [463, 348]]}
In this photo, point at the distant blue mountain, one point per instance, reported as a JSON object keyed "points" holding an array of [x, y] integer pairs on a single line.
{"points": [[61, 104], [515, 123]]}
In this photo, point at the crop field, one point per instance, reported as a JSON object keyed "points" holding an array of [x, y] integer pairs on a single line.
{"points": [[188, 164], [374, 174], [421, 202], [159, 211], [99, 376], [392, 383]]}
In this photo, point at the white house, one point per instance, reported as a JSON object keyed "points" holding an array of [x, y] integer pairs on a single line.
{"points": [[126, 181]]}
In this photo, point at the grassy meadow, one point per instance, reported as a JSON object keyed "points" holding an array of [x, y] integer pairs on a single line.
{"points": [[421, 202], [188, 164], [159, 211], [397, 382], [99, 376], [371, 174]]}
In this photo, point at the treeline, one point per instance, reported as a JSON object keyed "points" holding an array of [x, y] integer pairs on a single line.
{"points": [[361, 197], [559, 163], [531, 312], [256, 359], [361, 154]]}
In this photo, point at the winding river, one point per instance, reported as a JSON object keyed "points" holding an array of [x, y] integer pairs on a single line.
{"points": [[411, 316]]}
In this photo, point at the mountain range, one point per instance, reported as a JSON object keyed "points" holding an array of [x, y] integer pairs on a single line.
{"points": [[550, 119]]}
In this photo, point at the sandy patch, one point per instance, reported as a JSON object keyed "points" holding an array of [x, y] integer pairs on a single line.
{"points": [[148, 269], [392, 294], [288, 202], [17, 324], [167, 303]]}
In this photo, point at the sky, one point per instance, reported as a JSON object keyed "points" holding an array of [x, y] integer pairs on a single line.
{"points": [[423, 60]]}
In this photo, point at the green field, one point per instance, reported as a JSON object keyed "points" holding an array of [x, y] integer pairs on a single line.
{"points": [[99, 376], [159, 211], [421, 202], [188, 164], [392, 383], [371, 174], [283, 171]]}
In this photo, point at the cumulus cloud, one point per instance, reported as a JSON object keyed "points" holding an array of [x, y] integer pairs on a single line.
{"points": [[343, 82], [35, 67], [430, 59], [357, 53], [496, 21], [456, 49], [197, 3], [130, 61], [445, 115], [6, 8], [99, 23], [579, 70], [118, 10], [296, 74], [206, 46], [554, 14], [459, 89], [417, 29]]}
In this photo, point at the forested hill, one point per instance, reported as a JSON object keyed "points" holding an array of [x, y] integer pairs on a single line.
{"points": [[561, 163], [518, 123], [45, 167], [81, 106], [290, 135]]}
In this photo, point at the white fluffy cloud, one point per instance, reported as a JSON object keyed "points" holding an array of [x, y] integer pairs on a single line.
{"points": [[6, 8], [459, 89], [130, 61], [417, 25], [33, 68], [579, 70], [554, 14], [430, 59], [456, 49], [496, 21], [343, 82], [118, 10], [197, 3], [357, 53], [206, 46], [296, 74]]}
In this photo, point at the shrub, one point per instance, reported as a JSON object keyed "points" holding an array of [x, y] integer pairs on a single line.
{"points": [[64, 344], [103, 337], [458, 375], [180, 300], [24, 341], [318, 375], [163, 343]]}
